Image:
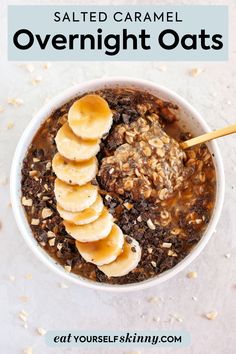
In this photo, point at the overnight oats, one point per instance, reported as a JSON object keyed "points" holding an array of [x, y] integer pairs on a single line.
{"points": [[108, 191]]}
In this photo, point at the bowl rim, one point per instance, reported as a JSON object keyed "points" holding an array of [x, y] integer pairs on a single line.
{"points": [[25, 140]]}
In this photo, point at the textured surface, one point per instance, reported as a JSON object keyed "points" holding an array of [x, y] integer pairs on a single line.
{"points": [[49, 306]]}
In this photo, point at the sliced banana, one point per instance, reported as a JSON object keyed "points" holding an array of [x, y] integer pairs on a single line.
{"points": [[103, 251], [90, 117], [94, 231], [75, 198], [74, 172], [85, 216], [125, 262], [74, 148]]}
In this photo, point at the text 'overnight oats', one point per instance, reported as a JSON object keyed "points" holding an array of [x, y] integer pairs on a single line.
{"points": [[109, 193]]}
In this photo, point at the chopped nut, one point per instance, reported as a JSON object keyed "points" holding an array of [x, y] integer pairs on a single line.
{"points": [[196, 72], [24, 298], [151, 225], [28, 350], [212, 315], [35, 159], [12, 278], [28, 276], [15, 101], [172, 253], [48, 165], [111, 170], [37, 80], [51, 234], [139, 218], [10, 125], [27, 202], [153, 299], [150, 250], [153, 264], [59, 246], [52, 242], [23, 315], [67, 268], [192, 275], [128, 206], [30, 68], [166, 245], [33, 173], [35, 222], [47, 65], [46, 213], [41, 331], [63, 286]]}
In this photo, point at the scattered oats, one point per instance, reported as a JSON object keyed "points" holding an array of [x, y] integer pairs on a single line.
{"points": [[151, 225], [52, 242], [10, 125], [227, 255], [1, 109], [30, 68], [28, 276], [63, 286], [212, 315], [46, 213], [28, 350], [162, 67], [45, 197], [23, 315], [35, 159], [150, 250], [35, 222], [139, 218], [42, 243], [192, 275], [196, 72], [47, 65], [15, 101], [153, 300], [37, 80], [24, 298], [51, 234], [172, 253], [48, 165], [27, 202], [46, 186], [128, 206], [194, 298], [153, 264], [111, 170], [67, 268], [41, 331], [166, 245], [12, 278]]}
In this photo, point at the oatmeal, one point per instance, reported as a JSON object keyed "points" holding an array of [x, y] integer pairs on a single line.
{"points": [[158, 195]]}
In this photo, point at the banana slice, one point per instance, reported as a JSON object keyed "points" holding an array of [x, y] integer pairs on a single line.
{"points": [[85, 216], [103, 251], [75, 198], [94, 231], [90, 117], [125, 262], [73, 172], [74, 148]]}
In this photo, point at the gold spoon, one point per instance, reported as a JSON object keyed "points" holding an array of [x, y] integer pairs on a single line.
{"points": [[209, 136]]}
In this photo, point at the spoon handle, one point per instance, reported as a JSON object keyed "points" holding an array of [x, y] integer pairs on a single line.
{"points": [[209, 136]]}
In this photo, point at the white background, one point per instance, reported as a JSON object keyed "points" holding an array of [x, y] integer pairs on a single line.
{"points": [[213, 93]]}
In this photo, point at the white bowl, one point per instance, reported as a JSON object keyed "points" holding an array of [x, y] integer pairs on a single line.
{"points": [[189, 118]]}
